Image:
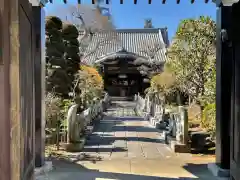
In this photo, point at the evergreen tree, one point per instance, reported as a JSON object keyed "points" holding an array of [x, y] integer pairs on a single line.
{"points": [[57, 79], [192, 57], [72, 57]]}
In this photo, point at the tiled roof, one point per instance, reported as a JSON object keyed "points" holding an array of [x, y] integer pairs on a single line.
{"points": [[130, 42]]}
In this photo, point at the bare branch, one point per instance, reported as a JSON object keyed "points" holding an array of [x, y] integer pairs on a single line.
{"points": [[151, 49], [92, 24], [100, 43]]}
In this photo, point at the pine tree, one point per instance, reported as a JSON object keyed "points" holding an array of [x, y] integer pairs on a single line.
{"points": [[57, 80], [72, 57]]}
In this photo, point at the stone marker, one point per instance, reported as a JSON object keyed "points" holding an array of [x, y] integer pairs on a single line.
{"points": [[75, 142]]}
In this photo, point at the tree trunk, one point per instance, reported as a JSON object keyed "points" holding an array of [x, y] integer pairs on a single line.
{"points": [[179, 99], [57, 135], [189, 100]]}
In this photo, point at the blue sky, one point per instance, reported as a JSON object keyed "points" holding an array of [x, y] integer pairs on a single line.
{"points": [[129, 15]]}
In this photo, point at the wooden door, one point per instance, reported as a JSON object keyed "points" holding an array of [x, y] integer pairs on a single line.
{"points": [[235, 104], [26, 63]]}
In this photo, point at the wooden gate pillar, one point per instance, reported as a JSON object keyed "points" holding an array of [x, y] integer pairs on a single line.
{"points": [[235, 94], [16, 91], [39, 76], [223, 87], [223, 91], [5, 123], [12, 106]]}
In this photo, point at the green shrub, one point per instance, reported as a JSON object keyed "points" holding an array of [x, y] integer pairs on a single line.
{"points": [[209, 119]]}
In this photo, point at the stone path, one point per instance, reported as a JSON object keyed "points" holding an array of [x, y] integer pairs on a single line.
{"points": [[125, 147], [121, 134]]}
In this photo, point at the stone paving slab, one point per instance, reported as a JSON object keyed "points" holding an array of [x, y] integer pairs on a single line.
{"points": [[121, 134]]}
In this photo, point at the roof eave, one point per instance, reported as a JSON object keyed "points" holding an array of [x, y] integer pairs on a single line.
{"points": [[119, 55]]}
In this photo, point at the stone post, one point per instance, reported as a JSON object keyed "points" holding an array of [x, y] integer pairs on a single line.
{"points": [[184, 123], [178, 128], [158, 111], [181, 144], [147, 108], [182, 126]]}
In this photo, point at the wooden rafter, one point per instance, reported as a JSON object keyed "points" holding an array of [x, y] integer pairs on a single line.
{"points": [[134, 1]]}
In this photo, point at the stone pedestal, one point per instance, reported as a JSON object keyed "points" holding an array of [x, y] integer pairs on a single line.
{"points": [[161, 125], [74, 147], [179, 147]]}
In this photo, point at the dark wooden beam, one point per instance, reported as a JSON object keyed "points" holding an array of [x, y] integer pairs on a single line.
{"points": [[5, 128], [235, 94], [223, 89], [39, 128], [134, 1]]}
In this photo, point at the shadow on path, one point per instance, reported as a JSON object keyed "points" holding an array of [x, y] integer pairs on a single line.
{"points": [[116, 129], [73, 171], [108, 140]]}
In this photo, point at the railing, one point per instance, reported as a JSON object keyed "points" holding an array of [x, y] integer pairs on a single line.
{"points": [[140, 105], [173, 121], [88, 117]]}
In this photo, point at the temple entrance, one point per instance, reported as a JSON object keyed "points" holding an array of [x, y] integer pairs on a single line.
{"points": [[122, 78], [123, 85]]}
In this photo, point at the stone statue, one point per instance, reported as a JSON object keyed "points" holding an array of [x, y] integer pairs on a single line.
{"points": [[74, 126]]}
